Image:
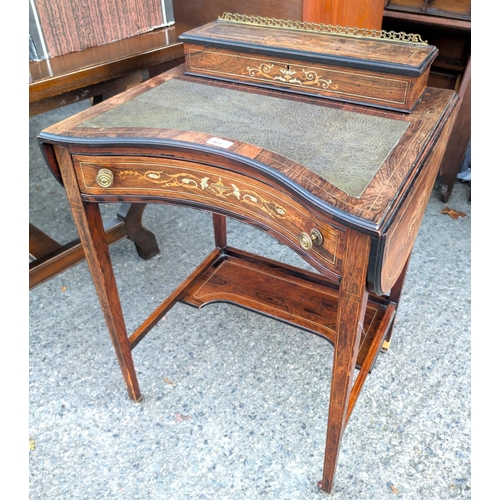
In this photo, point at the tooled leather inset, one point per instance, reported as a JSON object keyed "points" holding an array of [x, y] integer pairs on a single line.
{"points": [[344, 147]]}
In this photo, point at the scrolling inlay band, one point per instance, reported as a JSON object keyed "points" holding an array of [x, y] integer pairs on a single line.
{"points": [[216, 188], [288, 75]]}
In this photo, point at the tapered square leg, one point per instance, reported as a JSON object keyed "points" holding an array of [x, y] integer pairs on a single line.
{"points": [[88, 221], [353, 298]]}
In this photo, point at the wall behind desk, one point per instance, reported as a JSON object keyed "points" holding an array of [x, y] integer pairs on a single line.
{"points": [[199, 12]]}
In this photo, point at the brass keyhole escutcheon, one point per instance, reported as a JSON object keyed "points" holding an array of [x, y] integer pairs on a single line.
{"points": [[105, 178], [308, 240]]}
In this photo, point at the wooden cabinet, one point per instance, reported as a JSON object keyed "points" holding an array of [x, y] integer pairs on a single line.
{"points": [[453, 9], [358, 13], [451, 37], [445, 24], [199, 12]]}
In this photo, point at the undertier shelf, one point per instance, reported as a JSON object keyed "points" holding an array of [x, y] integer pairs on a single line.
{"points": [[292, 295]]}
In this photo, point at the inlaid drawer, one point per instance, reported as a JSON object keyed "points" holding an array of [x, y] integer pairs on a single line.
{"points": [[388, 91], [321, 242]]}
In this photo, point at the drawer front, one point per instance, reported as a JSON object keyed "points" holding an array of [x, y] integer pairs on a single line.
{"points": [[387, 91], [322, 243]]}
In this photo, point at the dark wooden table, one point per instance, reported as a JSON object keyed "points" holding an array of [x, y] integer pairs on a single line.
{"points": [[344, 186], [97, 73]]}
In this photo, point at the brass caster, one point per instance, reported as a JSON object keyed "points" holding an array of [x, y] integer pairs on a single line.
{"points": [[320, 485]]}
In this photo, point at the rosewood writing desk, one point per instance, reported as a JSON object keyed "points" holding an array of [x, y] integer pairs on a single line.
{"points": [[345, 186]]}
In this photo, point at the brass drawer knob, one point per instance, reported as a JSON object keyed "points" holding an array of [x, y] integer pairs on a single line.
{"points": [[305, 241], [308, 240], [105, 178], [316, 237]]}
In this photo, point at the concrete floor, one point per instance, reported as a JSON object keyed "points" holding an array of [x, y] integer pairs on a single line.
{"points": [[235, 405]]}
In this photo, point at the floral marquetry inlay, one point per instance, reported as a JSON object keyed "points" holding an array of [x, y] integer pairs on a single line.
{"points": [[217, 188], [287, 74]]}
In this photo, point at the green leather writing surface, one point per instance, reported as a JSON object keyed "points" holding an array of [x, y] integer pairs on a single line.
{"points": [[344, 147]]}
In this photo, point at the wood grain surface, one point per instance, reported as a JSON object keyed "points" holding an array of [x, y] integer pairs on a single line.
{"points": [[71, 26]]}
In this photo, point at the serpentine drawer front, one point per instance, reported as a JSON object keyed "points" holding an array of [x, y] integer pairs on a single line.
{"points": [[217, 190]]}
